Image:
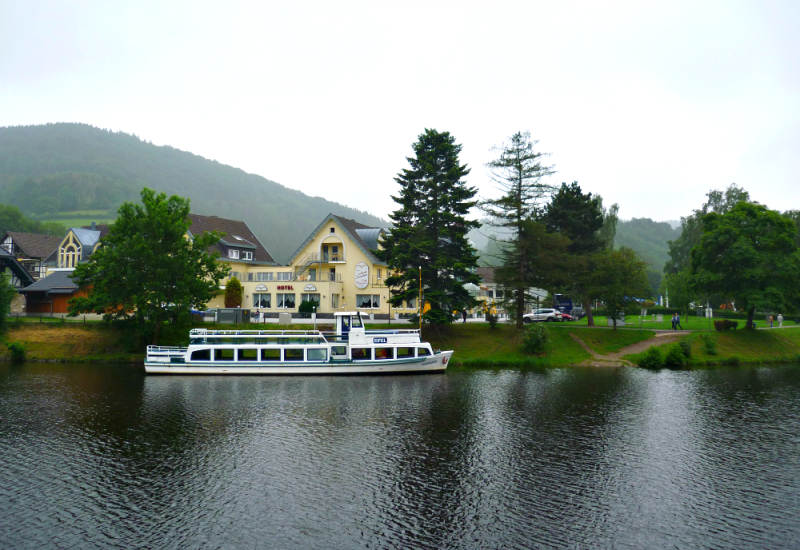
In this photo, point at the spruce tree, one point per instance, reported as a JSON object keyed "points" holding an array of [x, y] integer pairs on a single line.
{"points": [[518, 172], [430, 230]]}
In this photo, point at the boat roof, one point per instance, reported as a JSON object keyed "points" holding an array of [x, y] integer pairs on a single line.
{"points": [[348, 313]]}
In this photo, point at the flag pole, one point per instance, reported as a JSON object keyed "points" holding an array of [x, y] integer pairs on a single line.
{"points": [[420, 299]]}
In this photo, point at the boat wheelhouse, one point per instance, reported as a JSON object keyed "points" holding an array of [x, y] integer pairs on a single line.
{"points": [[351, 349]]}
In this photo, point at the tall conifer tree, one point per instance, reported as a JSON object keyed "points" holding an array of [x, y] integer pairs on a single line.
{"points": [[518, 172], [430, 230]]}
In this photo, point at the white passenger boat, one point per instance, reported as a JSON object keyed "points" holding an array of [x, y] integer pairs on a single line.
{"points": [[351, 349]]}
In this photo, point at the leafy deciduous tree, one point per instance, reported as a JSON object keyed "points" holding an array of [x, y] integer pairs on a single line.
{"points": [[7, 294], [430, 230], [748, 254], [146, 269], [618, 276]]}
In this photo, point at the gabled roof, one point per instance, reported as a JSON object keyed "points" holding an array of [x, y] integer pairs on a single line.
{"points": [[7, 260], [58, 282], [352, 229], [237, 235], [34, 245]]}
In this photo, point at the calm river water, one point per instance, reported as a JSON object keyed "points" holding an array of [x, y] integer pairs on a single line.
{"points": [[101, 456]]}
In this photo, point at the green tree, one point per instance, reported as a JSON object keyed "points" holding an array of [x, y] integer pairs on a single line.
{"points": [[7, 294], [233, 293], [146, 270], [580, 217], [748, 254], [518, 172], [794, 215], [618, 277], [430, 230], [537, 259], [691, 226], [12, 219], [678, 286]]}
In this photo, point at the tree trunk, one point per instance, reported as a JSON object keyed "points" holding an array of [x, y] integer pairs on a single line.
{"points": [[587, 306], [157, 332], [750, 314], [520, 307]]}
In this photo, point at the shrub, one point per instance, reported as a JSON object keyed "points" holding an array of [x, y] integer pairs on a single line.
{"points": [[17, 350], [710, 345], [674, 359], [535, 338], [233, 293], [492, 319], [651, 359], [725, 324], [686, 348], [733, 361]]}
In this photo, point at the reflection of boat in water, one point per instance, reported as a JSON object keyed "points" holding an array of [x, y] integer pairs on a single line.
{"points": [[350, 350]]}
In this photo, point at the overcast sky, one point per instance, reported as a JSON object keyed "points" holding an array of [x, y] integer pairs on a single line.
{"points": [[650, 104]]}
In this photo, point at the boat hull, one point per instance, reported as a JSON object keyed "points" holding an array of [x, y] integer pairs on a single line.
{"points": [[437, 362]]}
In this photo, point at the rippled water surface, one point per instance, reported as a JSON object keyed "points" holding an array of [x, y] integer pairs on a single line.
{"points": [[101, 456]]}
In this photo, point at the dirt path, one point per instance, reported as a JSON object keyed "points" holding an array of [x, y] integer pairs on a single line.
{"points": [[616, 359]]}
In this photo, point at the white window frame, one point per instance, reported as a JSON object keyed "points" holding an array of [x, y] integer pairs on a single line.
{"points": [[247, 255], [257, 300], [372, 298], [280, 300], [233, 254]]}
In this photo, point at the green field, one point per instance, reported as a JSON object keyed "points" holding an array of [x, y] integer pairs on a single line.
{"points": [[80, 218]]}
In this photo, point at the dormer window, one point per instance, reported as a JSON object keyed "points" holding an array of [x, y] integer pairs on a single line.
{"points": [[233, 254], [247, 255]]}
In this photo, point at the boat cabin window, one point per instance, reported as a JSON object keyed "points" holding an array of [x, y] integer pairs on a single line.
{"points": [[271, 354], [361, 354], [248, 354], [294, 354], [223, 354], [339, 350], [404, 353], [201, 355], [422, 352], [317, 355], [357, 321], [384, 353]]}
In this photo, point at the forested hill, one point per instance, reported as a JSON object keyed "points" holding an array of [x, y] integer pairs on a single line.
{"points": [[648, 238], [69, 167]]}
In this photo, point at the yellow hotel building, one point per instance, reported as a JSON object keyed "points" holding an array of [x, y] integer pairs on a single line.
{"points": [[334, 268]]}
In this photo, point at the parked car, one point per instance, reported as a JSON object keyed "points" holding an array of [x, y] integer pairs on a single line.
{"points": [[567, 317], [547, 315]]}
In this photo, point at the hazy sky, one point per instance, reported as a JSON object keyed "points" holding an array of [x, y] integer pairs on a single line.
{"points": [[650, 104]]}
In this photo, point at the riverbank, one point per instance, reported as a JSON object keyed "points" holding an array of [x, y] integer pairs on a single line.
{"points": [[475, 344]]}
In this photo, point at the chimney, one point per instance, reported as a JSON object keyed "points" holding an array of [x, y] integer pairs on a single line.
{"points": [[94, 226]]}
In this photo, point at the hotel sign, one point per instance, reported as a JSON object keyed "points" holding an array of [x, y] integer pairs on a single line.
{"points": [[362, 275]]}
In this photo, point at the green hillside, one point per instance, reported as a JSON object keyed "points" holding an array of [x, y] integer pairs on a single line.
{"points": [[648, 239], [58, 172]]}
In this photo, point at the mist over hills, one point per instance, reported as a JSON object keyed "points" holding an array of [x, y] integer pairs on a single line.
{"points": [[68, 167]]}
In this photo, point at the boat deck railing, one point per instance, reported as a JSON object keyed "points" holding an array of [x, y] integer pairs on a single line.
{"points": [[206, 332]]}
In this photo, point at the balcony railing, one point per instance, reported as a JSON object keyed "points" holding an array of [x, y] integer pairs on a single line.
{"points": [[321, 277], [332, 258], [378, 281]]}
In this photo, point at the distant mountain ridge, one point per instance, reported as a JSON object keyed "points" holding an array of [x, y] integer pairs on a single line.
{"points": [[65, 166]]}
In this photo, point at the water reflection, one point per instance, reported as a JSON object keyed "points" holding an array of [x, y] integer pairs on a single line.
{"points": [[102, 456]]}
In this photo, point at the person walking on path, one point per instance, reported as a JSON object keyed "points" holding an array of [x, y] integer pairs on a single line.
{"points": [[678, 322], [673, 320], [780, 320], [770, 321], [464, 315]]}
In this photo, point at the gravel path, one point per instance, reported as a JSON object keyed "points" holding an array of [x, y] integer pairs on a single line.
{"points": [[616, 359]]}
